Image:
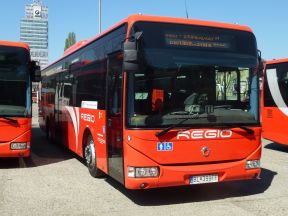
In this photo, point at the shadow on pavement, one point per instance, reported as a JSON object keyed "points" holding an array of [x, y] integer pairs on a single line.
{"points": [[42, 153], [197, 193], [277, 147]]}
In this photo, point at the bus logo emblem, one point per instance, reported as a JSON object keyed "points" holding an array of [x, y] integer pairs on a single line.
{"points": [[205, 151], [205, 134]]}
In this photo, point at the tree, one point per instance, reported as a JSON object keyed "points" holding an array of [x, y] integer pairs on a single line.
{"points": [[70, 40]]}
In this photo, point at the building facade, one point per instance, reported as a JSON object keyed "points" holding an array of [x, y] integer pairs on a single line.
{"points": [[34, 31]]}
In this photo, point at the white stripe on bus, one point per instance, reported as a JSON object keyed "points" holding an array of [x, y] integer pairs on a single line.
{"points": [[275, 91], [75, 120]]}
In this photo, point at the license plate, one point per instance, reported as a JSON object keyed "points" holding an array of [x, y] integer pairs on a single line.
{"points": [[203, 179]]}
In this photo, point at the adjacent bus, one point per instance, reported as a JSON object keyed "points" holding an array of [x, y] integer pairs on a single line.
{"points": [[16, 73], [158, 102], [275, 100]]}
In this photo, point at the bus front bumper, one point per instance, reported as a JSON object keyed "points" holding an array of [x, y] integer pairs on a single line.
{"points": [[6, 151], [183, 175]]}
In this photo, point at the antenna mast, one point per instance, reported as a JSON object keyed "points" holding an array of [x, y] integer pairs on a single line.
{"points": [[100, 12], [187, 15]]}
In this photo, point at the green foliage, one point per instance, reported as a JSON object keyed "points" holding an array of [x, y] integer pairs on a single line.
{"points": [[70, 40]]}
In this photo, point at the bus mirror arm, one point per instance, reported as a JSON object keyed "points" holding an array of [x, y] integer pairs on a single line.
{"points": [[35, 72], [130, 56], [261, 68], [260, 63]]}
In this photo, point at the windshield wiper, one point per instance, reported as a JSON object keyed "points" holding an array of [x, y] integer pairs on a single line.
{"points": [[180, 113], [250, 131], [10, 119], [223, 107], [166, 130]]}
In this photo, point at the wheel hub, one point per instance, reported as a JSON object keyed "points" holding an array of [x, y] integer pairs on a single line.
{"points": [[88, 155]]}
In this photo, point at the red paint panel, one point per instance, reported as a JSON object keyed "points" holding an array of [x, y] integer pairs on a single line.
{"points": [[95, 122], [187, 147], [179, 175], [275, 125], [11, 132]]}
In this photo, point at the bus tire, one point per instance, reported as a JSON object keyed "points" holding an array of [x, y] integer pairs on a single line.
{"points": [[90, 158]]}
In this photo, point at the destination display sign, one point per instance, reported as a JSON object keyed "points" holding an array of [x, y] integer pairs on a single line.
{"points": [[205, 41]]}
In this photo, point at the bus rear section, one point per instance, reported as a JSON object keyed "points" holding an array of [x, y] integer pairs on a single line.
{"points": [[15, 99], [275, 100], [176, 104]]}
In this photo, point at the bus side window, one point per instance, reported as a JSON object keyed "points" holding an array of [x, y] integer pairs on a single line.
{"points": [[115, 93]]}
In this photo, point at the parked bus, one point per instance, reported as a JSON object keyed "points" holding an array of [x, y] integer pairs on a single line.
{"points": [[275, 100], [16, 73], [157, 102]]}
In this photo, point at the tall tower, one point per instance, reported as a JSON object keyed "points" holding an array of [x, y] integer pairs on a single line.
{"points": [[34, 31]]}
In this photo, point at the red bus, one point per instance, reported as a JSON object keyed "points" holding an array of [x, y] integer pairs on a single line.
{"points": [[275, 100], [158, 101], [17, 72]]}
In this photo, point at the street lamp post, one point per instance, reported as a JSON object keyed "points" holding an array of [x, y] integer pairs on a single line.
{"points": [[100, 17]]}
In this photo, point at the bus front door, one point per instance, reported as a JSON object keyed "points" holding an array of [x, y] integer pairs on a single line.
{"points": [[114, 117]]}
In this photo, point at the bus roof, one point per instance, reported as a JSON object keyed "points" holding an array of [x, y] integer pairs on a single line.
{"points": [[277, 61], [75, 47], [136, 18], [14, 44]]}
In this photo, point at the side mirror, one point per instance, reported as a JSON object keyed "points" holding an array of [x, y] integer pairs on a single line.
{"points": [[35, 72], [261, 66], [130, 56]]}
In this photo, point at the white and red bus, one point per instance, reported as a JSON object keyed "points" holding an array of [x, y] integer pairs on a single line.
{"points": [[157, 102], [17, 72], [275, 100]]}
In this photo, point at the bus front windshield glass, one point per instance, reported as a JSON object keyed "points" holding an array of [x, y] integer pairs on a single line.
{"points": [[14, 82], [196, 76]]}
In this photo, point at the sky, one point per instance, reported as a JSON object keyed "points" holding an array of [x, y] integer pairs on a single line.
{"points": [[267, 18]]}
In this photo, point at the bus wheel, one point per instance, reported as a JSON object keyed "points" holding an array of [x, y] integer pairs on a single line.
{"points": [[90, 157]]}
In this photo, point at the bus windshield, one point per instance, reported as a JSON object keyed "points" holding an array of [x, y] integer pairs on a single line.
{"points": [[14, 82], [203, 75]]}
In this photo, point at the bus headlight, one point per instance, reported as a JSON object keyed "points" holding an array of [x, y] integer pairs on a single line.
{"points": [[252, 164], [143, 172], [18, 146]]}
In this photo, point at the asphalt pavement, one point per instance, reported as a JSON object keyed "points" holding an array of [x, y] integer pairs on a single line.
{"points": [[54, 181]]}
